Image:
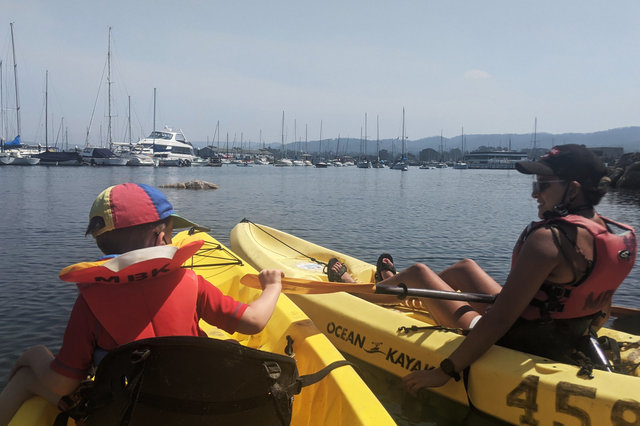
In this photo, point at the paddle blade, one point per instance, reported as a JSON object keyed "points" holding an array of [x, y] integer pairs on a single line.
{"points": [[623, 311], [304, 286]]}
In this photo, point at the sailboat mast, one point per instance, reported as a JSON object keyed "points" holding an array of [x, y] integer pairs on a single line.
{"points": [[2, 123], [129, 120], [282, 135], [46, 110], [109, 137], [15, 79], [535, 130], [462, 142], [365, 135], [154, 120], [321, 137], [403, 154], [378, 137]]}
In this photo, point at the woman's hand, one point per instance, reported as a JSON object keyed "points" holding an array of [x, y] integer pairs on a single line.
{"points": [[424, 379]]}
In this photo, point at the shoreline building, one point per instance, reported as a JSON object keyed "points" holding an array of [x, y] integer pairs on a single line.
{"points": [[494, 159]]}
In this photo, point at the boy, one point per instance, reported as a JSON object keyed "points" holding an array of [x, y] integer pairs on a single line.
{"points": [[132, 225]]}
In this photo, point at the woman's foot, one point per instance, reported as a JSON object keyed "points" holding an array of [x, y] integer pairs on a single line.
{"points": [[337, 272], [384, 267]]}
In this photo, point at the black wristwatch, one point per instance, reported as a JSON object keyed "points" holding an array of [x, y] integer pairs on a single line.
{"points": [[449, 369]]}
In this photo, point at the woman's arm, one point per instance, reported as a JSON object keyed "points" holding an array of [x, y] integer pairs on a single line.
{"points": [[538, 259]]}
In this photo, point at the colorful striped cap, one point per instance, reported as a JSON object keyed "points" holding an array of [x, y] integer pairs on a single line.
{"points": [[131, 204]]}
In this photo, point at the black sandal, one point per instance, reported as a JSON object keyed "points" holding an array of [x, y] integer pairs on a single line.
{"points": [[383, 266], [335, 277]]}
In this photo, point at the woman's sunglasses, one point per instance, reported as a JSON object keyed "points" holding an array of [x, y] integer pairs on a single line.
{"points": [[541, 186]]}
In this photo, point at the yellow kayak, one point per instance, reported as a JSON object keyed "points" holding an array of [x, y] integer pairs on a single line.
{"points": [[340, 398], [510, 385]]}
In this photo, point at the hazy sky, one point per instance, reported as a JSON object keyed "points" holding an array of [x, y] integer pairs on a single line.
{"points": [[490, 66]]}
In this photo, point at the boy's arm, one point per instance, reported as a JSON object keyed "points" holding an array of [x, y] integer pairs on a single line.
{"points": [[257, 314]]}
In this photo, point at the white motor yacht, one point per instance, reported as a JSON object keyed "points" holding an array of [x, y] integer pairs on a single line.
{"points": [[169, 148]]}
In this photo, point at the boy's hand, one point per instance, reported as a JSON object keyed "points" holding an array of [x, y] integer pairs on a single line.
{"points": [[270, 277]]}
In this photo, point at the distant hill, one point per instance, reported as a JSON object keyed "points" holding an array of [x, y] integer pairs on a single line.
{"points": [[625, 137]]}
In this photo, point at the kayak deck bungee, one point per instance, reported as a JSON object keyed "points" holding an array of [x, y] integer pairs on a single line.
{"points": [[510, 385], [339, 398]]}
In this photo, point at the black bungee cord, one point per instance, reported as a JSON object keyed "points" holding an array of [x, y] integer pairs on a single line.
{"points": [[326, 265]]}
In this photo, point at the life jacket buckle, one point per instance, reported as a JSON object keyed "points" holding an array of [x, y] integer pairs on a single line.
{"points": [[139, 355], [273, 369]]}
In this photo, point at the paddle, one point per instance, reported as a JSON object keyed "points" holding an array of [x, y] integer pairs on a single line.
{"points": [[305, 286], [623, 311]]}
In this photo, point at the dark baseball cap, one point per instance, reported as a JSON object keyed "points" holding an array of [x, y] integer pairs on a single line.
{"points": [[571, 162]]}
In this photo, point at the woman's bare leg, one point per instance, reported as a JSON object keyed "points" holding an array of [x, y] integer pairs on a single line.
{"points": [[467, 276], [450, 313]]}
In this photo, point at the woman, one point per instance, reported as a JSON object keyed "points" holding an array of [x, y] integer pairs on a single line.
{"points": [[564, 271]]}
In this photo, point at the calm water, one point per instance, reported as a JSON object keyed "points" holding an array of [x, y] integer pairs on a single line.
{"points": [[430, 216]]}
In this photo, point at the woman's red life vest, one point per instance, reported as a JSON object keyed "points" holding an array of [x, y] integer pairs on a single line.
{"points": [[614, 256], [142, 293]]}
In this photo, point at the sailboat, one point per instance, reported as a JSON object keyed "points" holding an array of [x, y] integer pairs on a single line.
{"points": [[321, 164], [284, 161], [364, 163], [134, 154], [297, 161], [216, 160], [51, 157], [461, 165], [402, 163], [16, 154], [377, 164], [307, 157], [117, 154]]}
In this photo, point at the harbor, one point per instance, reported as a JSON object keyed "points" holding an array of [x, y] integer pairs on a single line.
{"points": [[435, 216]]}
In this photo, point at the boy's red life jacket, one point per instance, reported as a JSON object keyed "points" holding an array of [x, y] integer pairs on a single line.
{"points": [[140, 294], [613, 258]]}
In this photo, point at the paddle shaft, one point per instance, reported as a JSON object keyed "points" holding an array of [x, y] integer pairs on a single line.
{"points": [[306, 286], [403, 291]]}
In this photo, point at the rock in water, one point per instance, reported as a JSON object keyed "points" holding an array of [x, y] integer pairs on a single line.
{"points": [[192, 184]]}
